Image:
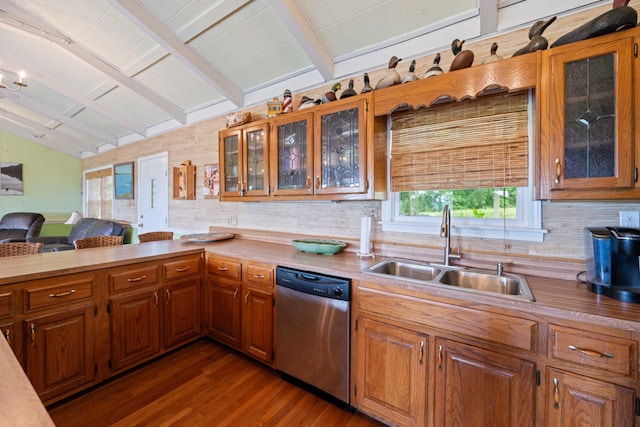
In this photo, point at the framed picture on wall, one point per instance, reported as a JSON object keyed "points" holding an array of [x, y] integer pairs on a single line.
{"points": [[211, 187], [11, 179], [123, 180]]}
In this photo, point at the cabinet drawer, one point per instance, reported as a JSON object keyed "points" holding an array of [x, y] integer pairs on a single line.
{"points": [[182, 267], [226, 268], [132, 277], [592, 350], [260, 275], [6, 304], [58, 291]]}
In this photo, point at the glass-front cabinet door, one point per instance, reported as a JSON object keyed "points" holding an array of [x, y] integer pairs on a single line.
{"points": [[292, 155], [340, 148], [243, 161], [590, 120]]}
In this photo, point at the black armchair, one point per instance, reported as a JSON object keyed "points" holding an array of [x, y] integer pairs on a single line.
{"points": [[85, 227], [20, 226]]}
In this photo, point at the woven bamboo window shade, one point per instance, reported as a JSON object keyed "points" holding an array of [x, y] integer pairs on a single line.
{"points": [[481, 143]]}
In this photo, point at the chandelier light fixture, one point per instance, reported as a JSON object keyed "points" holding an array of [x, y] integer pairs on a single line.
{"points": [[17, 85]]}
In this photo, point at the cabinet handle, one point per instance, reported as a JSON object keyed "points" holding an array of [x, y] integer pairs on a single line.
{"points": [[63, 294], [155, 297], [7, 335], [308, 183], [33, 334], [246, 299], [421, 351], [589, 352], [440, 357], [258, 276], [317, 182], [558, 171], [222, 268], [235, 296], [183, 269], [136, 279], [556, 393], [168, 295]]}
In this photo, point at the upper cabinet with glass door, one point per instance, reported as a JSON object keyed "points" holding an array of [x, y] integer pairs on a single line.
{"points": [[587, 140], [244, 163]]}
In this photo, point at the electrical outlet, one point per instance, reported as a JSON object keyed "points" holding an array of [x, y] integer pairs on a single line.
{"points": [[630, 219]]}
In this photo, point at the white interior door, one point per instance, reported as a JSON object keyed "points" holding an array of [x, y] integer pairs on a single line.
{"points": [[153, 200]]}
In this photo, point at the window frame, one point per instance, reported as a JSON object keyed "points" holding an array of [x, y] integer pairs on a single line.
{"points": [[527, 226]]}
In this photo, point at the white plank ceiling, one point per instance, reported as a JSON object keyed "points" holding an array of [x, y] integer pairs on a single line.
{"points": [[103, 73]]}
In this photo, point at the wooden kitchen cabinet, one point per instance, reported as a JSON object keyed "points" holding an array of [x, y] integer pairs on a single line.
{"points": [[152, 312], [587, 140], [60, 350], [135, 327], [334, 151], [258, 313], [223, 309], [475, 386], [244, 161], [577, 400], [391, 373], [240, 301]]}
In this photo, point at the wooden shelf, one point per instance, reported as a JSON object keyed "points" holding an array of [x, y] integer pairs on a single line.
{"points": [[184, 181]]}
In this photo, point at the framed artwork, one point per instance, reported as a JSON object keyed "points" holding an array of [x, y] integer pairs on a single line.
{"points": [[211, 188], [123, 180], [11, 179]]}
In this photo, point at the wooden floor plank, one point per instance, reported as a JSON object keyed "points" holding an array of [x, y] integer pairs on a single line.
{"points": [[204, 384]]}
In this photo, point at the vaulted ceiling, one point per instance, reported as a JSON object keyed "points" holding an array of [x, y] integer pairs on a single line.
{"points": [[103, 73]]}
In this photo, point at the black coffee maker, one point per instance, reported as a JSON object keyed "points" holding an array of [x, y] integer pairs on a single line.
{"points": [[613, 266]]}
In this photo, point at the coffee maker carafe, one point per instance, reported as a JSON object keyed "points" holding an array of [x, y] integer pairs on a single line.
{"points": [[613, 266]]}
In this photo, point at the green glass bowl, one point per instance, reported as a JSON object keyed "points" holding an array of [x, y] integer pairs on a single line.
{"points": [[319, 246]]}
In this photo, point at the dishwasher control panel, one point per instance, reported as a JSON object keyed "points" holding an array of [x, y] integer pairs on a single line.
{"points": [[314, 283]]}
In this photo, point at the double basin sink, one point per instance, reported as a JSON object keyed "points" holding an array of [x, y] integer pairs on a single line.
{"points": [[459, 278]]}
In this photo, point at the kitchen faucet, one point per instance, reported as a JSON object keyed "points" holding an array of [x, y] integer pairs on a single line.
{"points": [[445, 231]]}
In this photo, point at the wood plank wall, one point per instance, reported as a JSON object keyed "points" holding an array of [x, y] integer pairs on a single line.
{"points": [[198, 143]]}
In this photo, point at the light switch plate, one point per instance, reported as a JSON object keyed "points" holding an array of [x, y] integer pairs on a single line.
{"points": [[630, 219]]}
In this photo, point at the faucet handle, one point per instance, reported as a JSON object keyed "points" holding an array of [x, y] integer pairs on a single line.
{"points": [[500, 269]]}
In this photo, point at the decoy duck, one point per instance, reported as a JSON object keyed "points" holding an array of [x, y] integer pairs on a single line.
{"points": [[619, 18], [331, 95], [392, 77], [536, 41], [463, 58], [348, 91], [306, 102], [435, 69], [367, 85], [411, 75], [494, 56]]}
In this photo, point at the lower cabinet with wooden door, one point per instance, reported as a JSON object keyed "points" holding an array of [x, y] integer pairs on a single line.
{"points": [[479, 387], [392, 372], [239, 305]]}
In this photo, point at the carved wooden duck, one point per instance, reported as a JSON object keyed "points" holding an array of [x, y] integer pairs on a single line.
{"points": [[392, 77], [331, 95], [493, 57], [463, 58], [306, 102], [536, 41], [435, 69], [411, 74], [348, 91], [367, 84]]}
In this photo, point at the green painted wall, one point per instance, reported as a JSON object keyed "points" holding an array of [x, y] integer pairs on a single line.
{"points": [[52, 180]]}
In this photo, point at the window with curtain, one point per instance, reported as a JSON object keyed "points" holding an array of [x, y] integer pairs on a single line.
{"points": [[99, 193], [471, 155]]}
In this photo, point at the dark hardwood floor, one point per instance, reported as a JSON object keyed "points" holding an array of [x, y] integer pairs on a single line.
{"points": [[203, 384]]}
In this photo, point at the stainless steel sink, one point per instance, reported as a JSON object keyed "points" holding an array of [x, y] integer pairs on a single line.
{"points": [[459, 278], [406, 269]]}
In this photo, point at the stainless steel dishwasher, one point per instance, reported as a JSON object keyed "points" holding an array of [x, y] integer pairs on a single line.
{"points": [[312, 329]]}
